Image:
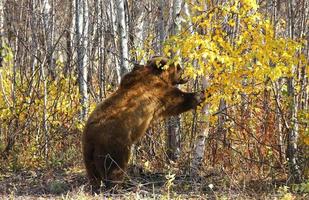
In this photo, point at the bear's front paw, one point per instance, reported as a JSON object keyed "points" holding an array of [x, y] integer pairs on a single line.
{"points": [[200, 97]]}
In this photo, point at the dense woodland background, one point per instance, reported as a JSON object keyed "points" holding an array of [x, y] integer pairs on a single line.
{"points": [[59, 58]]}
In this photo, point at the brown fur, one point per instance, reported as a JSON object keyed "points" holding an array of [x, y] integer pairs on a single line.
{"points": [[145, 94]]}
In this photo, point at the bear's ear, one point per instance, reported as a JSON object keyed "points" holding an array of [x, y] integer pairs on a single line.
{"points": [[137, 66], [157, 62]]}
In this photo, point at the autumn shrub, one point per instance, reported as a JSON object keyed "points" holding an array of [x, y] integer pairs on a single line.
{"points": [[39, 122]]}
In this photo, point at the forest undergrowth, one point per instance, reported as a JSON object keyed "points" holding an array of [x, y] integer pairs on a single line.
{"points": [[71, 183]]}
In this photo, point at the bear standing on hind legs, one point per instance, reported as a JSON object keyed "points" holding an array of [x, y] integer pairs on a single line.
{"points": [[146, 93]]}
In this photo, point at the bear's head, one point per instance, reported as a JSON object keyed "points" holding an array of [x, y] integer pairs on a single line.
{"points": [[156, 67], [170, 72]]}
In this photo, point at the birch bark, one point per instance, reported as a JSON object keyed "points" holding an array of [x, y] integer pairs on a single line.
{"points": [[173, 133], [292, 138], [123, 37], [81, 21]]}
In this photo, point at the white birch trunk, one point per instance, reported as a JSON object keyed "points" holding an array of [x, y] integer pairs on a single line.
{"points": [[47, 24], [1, 29], [292, 138], [200, 143], [161, 25], [44, 120], [81, 21], [139, 29], [69, 37], [173, 132], [187, 13], [279, 122], [176, 16], [1, 21], [48, 21], [276, 86], [114, 25], [1, 56], [34, 42], [102, 59], [123, 37]]}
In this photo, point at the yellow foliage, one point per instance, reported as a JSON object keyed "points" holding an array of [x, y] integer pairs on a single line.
{"points": [[237, 47], [22, 101], [253, 54]]}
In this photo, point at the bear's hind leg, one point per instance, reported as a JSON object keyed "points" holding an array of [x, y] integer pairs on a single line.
{"points": [[92, 173], [112, 166]]}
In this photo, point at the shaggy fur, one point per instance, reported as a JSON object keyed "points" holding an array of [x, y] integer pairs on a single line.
{"points": [[145, 94]]}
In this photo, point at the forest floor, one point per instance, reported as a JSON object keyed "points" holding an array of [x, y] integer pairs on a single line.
{"points": [[71, 183]]}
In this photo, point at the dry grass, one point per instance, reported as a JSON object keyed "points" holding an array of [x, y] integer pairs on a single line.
{"points": [[71, 183]]}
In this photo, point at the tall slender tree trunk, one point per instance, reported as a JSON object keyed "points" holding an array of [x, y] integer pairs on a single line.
{"points": [[200, 143], [81, 21], [276, 88], [102, 51], [292, 137], [48, 21], [139, 28], [69, 37], [1, 55], [123, 37], [279, 121], [1, 31], [200, 140], [44, 120], [173, 131], [114, 25], [161, 25]]}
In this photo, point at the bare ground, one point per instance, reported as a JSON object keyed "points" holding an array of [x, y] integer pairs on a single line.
{"points": [[71, 183]]}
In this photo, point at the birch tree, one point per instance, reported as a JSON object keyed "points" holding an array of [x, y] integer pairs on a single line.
{"points": [[1, 30], [122, 37], [161, 27], [2, 3], [277, 94], [1, 52], [69, 36], [48, 21], [112, 14], [138, 26], [81, 21], [200, 141], [173, 132], [292, 137], [101, 32]]}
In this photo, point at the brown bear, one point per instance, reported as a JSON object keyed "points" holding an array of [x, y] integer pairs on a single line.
{"points": [[145, 94]]}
